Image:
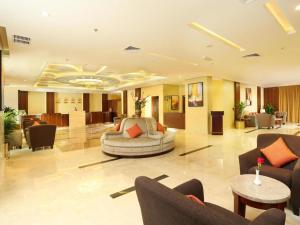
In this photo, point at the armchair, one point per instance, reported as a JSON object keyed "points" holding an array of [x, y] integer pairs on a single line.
{"points": [[265, 120], [281, 115], [288, 174], [163, 206], [40, 136]]}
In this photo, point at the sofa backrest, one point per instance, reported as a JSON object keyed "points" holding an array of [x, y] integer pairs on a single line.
{"points": [[42, 135], [146, 124], [162, 205], [292, 141]]}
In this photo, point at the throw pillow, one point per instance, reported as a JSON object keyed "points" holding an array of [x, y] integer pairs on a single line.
{"points": [[134, 131], [160, 128], [195, 199], [36, 123], [278, 153], [117, 127]]}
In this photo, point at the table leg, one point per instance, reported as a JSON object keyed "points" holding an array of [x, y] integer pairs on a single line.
{"points": [[281, 206], [239, 206]]}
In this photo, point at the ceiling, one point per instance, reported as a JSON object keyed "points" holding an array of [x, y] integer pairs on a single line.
{"points": [[169, 47]]}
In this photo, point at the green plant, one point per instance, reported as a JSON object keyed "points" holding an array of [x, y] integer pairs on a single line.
{"points": [[240, 109], [270, 109], [10, 121]]}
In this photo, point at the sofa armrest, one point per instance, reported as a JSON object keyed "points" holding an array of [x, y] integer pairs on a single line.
{"points": [[270, 217], [295, 192], [106, 135], [192, 187], [248, 160], [155, 135]]}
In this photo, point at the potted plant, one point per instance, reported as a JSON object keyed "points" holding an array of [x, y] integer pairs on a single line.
{"points": [[270, 109], [240, 109], [10, 124], [140, 103]]}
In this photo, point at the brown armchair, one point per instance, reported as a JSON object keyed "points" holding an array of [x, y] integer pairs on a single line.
{"points": [[40, 136], [163, 206], [282, 115], [288, 174]]}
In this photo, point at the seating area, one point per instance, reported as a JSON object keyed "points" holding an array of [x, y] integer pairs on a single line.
{"points": [[150, 112], [149, 142]]}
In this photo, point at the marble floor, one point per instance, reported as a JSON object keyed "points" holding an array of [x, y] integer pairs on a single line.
{"points": [[53, 187]]}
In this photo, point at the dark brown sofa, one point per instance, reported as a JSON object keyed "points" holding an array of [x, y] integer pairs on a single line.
{"points": [[161, 205], [40, 136], [288, 174]]}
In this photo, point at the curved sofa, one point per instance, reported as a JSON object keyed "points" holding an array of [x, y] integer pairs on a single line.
{"points": [[151, 142]]}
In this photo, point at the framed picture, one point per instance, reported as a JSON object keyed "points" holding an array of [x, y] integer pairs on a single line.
{"points": [[195, 94], [248, 96], [174, 102]]}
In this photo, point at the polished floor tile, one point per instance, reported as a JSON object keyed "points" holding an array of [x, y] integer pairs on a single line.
{"points": [[47, 187]]}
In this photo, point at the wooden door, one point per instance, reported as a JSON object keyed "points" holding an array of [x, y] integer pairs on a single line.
{"points": [[155, 107]]}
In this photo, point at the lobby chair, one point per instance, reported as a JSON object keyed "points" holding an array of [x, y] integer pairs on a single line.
{"points": [[288, 174], [40, 136], [282, 115], [265, 120], [161, 205]]}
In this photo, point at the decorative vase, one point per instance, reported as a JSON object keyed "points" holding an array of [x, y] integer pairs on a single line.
{"points": [[138, 113], [257, 180]]}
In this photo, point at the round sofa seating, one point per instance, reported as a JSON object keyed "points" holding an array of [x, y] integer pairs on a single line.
{"points": [[150, 142]]}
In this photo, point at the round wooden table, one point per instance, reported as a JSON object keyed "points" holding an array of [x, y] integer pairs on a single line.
{"points": [[270, 194]]}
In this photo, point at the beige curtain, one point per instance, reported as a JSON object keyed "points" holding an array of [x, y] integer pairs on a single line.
{"points": [[289, 101]]}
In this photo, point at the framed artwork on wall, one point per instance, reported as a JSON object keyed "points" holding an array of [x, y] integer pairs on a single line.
{"points": [[174, 102], [248, 96], [195, 94]]}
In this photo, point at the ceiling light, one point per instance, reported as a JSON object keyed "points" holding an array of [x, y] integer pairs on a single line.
{"points": [[298, 7], [95, 29], [247, 1], [280, 17], [45, 14], [198, 27]]}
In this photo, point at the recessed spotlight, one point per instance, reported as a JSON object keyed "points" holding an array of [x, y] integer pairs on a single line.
{"points": [[298, 7], [45, 14], [25, 80]]}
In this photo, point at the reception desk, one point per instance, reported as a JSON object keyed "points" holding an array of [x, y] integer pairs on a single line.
{"points": [[77, 119]]}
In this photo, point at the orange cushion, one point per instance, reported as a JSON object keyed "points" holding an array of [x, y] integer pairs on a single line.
{"points": [[36, 123], [134, 131], [160, 128], [117, 127], [278, 153], [195, 199]]}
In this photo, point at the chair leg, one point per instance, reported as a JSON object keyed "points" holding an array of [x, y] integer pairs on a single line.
{"points": [[296, 210]]}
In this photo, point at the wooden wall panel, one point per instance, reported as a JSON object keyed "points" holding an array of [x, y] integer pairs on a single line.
{"points": [[23, 100], [138, 92], [271, 96], [104, 102], [113, 104], [86, 102], [174, 120], [125, 102], [258, 99], [50, 102], [237, 96]]}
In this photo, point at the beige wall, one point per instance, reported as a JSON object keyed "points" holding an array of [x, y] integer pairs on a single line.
{"points": [[196, 118], [221, 98], [11, 97], [157, 90], [130, 102], [36, 102], [95, 102], [61, 107], [170, 90]]}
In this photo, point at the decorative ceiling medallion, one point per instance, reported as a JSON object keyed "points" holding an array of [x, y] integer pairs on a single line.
{"points": [[91, 77]]}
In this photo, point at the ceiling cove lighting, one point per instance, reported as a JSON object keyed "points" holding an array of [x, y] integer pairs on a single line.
{"points": [[280, 17], [298, 7], [199, 27]]}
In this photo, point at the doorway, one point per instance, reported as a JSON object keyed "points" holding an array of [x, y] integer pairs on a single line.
{"points": [[155, 107]]}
